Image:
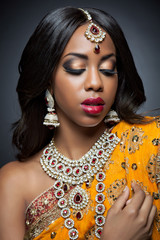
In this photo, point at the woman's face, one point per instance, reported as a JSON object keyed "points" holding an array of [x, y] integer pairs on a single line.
{"points": [[84, 83]]}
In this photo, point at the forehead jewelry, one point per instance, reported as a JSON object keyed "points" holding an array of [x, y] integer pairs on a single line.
{"points": [[93, 32]]}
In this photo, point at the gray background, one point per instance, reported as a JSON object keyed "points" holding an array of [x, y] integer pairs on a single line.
{"points": [[139, 20]]}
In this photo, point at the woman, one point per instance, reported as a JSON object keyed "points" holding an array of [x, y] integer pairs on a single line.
{"points": [[79, 62]]}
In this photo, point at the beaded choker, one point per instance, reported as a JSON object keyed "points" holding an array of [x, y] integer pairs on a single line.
{"points": [[73, 173]]}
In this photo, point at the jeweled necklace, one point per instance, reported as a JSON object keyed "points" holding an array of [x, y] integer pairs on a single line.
{"points": [[69, 173]]}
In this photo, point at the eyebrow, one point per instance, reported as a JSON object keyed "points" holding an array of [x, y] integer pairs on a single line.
{"points": [[83, 56], [77, 55], [107, 56]]}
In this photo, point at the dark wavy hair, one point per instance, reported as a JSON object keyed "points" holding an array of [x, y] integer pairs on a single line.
{"points": [[39, 60]]}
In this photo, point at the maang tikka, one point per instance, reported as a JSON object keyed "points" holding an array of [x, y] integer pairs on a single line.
{"points": [[51, 118], [93, 32]]}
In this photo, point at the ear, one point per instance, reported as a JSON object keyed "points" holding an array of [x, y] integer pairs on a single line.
{"points": [[50, 90]]}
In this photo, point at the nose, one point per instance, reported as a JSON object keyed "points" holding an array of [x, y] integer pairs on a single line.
{"points": [[93, 81]]}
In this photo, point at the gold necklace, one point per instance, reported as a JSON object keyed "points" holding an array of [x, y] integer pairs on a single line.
{"points": [[69, 172]]}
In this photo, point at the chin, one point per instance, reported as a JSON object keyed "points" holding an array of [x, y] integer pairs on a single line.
{"points": [[90, 123]]}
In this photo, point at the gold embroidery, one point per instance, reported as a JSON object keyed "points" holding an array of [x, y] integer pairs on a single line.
{"points": [[135, 139], [53, 234], [134, 166], [123, 142], [144, 188], [157, 119], [90, 234], [156, 141], [156, 196], [115, 189], [158, 168], [107, 164], [125, 165], [157, 219], [151, 168], [41, 213], [132, 139], [43, 222]]}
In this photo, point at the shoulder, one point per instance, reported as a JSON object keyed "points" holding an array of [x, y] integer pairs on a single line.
{"points": [[139, 138], [12, 203], [15, 177], [17, 185], [151, 127], [12, 182], [11, 174]]}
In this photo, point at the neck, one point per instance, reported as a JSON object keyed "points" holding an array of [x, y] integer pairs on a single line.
{"points": [[74, 141]]}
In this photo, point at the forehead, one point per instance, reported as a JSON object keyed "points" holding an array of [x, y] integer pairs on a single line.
{"points": [[79, 43]]}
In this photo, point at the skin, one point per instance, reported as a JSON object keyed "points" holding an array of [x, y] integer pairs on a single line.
{"points": [[20, 183], [76, 88]]}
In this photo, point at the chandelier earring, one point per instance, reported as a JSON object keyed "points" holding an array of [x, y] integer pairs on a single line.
{"points": [[112, 117], [51, 118]]}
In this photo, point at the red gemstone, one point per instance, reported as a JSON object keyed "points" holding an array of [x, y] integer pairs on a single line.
{"points": [[58, 184], [62, 202], [100, 220], [60, 167], [65, 212], [77, 171], [46, 101], [78, 198], [53, 162], [100, 176], [86, 167], [67, 170], [73, 234], [79, 215], [97, 49], [94, 160], [99, 209], [65, 187], [49, 157], [111, 137], [59, 193], [46, 151], [99, 198], [100, 152], [99, 231], [94, 30], [100, 186]]}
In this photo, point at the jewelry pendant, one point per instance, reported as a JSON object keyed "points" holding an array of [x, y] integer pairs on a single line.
{"points": [[93, 32], [69, 173], [78, 199]]}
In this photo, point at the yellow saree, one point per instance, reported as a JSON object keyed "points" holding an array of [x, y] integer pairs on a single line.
{"points": [[135, 158]]}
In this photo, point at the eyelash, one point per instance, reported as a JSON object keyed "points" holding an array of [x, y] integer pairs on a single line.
{"points": [[74, 71], [105, 72]]}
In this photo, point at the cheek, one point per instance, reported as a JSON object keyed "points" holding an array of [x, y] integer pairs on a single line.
{"points": [[65, 89], [110, 87]]}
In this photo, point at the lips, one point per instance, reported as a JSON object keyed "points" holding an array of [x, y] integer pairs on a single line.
{"points": [[93, 101], [93, 105]]}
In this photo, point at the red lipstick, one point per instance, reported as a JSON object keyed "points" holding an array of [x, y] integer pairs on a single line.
{"points": [[93, 105]]}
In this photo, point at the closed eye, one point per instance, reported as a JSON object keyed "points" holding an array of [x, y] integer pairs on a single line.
{"points": [[74, 71], [108, 72]]}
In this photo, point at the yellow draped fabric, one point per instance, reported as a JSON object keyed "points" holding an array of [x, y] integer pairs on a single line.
{"points": [[135, 158]]}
